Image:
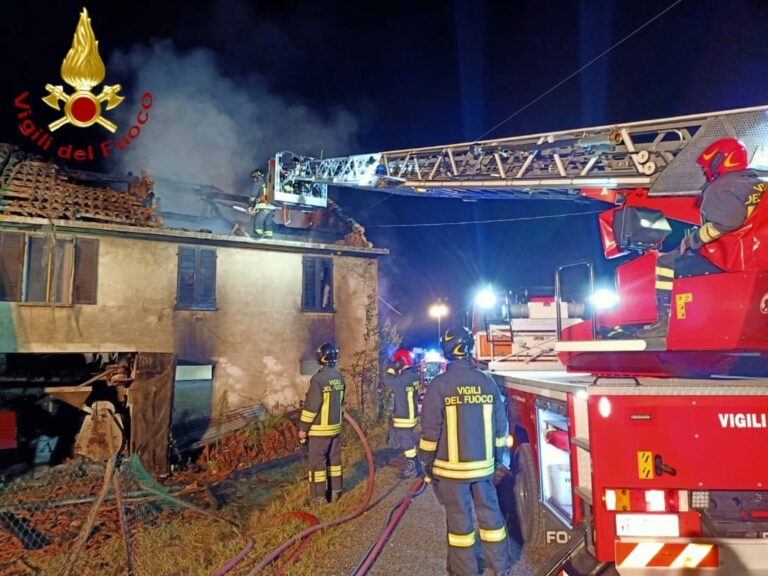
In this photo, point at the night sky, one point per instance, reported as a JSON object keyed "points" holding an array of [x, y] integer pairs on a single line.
{"points": [[235, 81]]}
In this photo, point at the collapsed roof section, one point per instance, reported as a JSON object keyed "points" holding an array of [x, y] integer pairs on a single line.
{"points": [[32, 187], [37, 189]]}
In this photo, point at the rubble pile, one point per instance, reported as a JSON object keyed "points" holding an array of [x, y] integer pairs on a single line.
{"points": [[243, 449]]}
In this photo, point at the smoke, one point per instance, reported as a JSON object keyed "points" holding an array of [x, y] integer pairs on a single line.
{"points": [[208, 128]]}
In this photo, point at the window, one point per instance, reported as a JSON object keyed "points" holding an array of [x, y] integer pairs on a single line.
{"points": [[39, 269], [317, 294], [11, 266], [196, 288]]}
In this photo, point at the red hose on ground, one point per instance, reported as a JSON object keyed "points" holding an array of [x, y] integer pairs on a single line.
{"points": [[388, 529], [272, 556], [313, 521], [236, 560]]}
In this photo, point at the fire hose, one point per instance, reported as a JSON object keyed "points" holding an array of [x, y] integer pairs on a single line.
{"points": [[274, 554], [393, 519]]}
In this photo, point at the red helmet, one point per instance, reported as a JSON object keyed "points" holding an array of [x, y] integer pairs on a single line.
{"points": [[401, 358], [724, 155]]}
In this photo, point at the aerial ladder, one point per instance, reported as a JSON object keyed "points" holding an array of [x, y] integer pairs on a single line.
{"points": [[646, 171], [610, 459]]}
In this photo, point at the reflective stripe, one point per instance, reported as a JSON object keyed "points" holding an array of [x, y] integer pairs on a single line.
{"points": [[462, 474], [411, 407], [461, 540], [488, 430], [307, 416], [452, 436], [501, 442], [410, 453], [496, 535], [692, 556], [403, 422], [666, 272], [427, 445], [708, 232], [335, 470], [325, 408], [332, 430], [317, 476], [471, 465], [661, 285]]}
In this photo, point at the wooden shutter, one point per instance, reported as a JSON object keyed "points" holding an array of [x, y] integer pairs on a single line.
{"points": [[309, 299], [206, 279], [326, 284], [86, 271], [185, 290], [11, 265]]}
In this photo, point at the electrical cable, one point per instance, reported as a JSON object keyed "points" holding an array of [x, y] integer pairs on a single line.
{"points": [[498, 221], [584, 67]]}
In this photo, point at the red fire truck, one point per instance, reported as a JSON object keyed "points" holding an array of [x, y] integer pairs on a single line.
{"points": [[638, 456]]}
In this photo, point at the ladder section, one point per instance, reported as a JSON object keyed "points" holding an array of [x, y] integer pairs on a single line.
{"points": [[545, 165]]}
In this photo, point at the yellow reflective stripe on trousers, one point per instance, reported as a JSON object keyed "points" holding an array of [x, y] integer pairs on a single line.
{"points": [[410, 453], [317, 476], [471, 465], [411, 409], [661, 285], [452, 428], [488, 430], [493, 535], [307, 416], [325, 409], [461, 540], [427, 445], [335, 470], [666, 272]]}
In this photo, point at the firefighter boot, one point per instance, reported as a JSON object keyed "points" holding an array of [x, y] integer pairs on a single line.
{"points": [[660, 328], [412, 469]]}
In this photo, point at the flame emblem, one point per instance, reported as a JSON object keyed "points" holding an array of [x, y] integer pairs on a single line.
{"points": [[83, 69]]}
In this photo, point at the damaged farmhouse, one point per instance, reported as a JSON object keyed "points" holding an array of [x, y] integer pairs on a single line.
{"points": [[148, 308]]}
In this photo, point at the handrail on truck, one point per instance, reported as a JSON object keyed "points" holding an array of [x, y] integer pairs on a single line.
{"points": [[558, 296]]}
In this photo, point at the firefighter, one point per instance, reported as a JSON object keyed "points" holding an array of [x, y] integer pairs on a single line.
{"points": [[320, 425], [727, 199], [261, 208], [404, 381], [462, 450]]}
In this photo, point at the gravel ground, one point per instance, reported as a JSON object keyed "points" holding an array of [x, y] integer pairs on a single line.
{"points": [[417, 547]]}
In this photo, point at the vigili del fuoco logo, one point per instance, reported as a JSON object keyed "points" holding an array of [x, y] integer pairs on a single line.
{"points": [[82, 69]]}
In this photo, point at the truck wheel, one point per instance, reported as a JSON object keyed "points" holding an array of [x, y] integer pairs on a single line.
{"points": [[529, 512]]}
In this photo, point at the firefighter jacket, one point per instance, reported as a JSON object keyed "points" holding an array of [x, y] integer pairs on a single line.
{"points": [[323, 406], [405, 389], [726, 203], [463, 425]]}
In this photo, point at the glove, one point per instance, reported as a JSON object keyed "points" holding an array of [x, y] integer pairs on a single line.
{"points": [[691, 241], [499, 474]]}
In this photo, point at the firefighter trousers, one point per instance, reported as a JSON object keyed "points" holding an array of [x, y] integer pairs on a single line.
{"points": [[324, 465], [463, 558], [405, 440]]}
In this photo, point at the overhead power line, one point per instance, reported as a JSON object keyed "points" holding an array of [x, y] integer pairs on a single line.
{"points": [[584, 67], [497, 221]]}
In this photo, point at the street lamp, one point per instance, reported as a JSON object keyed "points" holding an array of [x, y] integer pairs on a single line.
{"points": [[438, 310]]}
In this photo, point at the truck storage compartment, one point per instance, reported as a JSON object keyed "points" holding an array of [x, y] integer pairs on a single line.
{"points": [[554, 458]]}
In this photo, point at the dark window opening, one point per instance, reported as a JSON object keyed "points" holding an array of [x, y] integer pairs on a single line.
{"points": [[196, 288], [317, 293], [48, 270]]}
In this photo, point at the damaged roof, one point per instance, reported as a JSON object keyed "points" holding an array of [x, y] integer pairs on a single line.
{"points": [[31, 187]]}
